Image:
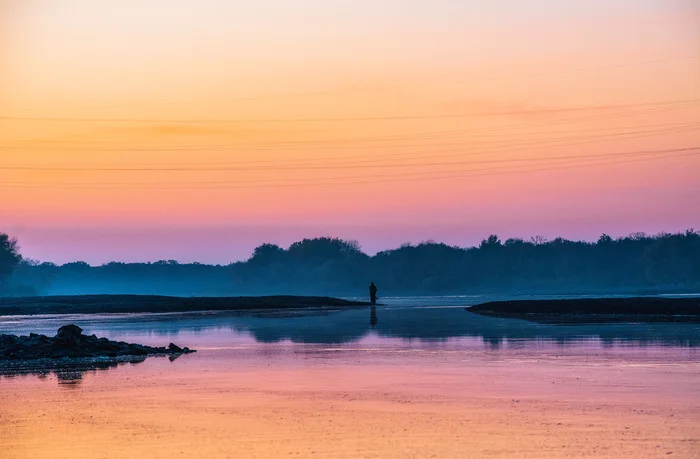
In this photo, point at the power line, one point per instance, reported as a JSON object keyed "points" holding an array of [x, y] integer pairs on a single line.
{"points": [[332, 163], [423, 175], [330, 92], [466, 146], [346, 119], [459, 152], [553, 159], [487, 130], [538, 170], [357, 162], [416, 179], [355, 143]]}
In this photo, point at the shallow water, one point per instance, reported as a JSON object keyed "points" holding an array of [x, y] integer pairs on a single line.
{"points": [[416, 378]]}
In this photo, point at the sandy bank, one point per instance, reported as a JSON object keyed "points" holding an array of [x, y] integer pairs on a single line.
{"points": [[89, 304], [647, 309]]}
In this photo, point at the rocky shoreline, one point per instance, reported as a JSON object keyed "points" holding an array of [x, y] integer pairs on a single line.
{"points": [[70, 342]]}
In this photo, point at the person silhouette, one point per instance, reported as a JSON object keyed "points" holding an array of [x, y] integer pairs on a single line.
{"points": [[372, 293]]}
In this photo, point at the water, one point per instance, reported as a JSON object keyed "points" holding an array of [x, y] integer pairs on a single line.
{"points": [[416, 322], [415, 378]]}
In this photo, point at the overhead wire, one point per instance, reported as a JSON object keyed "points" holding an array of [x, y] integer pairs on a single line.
{"points": [[432, 82], [428, 175], [467, 148], [376, 162], [492, 129], [334, 120], [335, 183]]}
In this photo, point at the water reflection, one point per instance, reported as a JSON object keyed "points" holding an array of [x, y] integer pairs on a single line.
{"points": [[68, 372], [423, 324]]}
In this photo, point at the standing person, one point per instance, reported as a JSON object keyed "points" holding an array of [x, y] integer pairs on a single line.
{"points": [[373, 293]]}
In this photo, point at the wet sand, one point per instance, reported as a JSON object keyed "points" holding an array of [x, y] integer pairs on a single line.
{"points": [[357, 401], [113, 304], [595, 310]]}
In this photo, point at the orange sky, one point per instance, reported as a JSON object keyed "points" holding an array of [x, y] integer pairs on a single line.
{"points": [[162, 123]]}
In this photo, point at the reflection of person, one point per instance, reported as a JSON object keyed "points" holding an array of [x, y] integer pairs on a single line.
{"points": [[373, 293], [373, 316]]}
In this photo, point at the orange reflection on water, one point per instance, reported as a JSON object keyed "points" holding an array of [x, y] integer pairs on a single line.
{"points": [[409, 404]]}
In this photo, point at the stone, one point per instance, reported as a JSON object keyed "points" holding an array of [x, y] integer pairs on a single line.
{"points": [[69, 342], [69, 335], [137, 349]]}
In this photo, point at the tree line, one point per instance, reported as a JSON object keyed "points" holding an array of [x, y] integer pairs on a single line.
{"points": [[638, 263]]}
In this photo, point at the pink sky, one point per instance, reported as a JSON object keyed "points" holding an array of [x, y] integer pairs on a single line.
{"points": [[152, 130]]}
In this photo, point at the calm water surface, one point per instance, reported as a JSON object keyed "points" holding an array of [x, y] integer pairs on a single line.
{"points": [[431, 323], [416, 377]]}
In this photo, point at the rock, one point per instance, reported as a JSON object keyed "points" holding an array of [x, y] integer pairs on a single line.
{"points": [[69, 342], [69, 331], [137, 349], [69, 335], [6, 340]]}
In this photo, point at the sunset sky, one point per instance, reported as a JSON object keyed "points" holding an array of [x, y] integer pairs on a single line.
{"points": [[140, 130]]}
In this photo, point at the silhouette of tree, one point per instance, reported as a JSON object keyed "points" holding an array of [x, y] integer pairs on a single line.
{"points": [[637, 263], [490, 242], [9, 257], [76, 266], [538, 240], [324, 249], [267, 253]]}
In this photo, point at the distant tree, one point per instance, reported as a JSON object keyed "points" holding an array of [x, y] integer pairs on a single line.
{"points": [[324, 249], [659, 263], [166, 263], [9, 256], [638, 236], [538, 240], [489, 242], [604, 239], [267, 253], [76, 266]]}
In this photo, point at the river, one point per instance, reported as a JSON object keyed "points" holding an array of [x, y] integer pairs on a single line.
{"points": [[417, 377]]}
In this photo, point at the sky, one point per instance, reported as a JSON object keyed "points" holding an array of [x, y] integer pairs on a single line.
{"points": [[142, 130]]}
